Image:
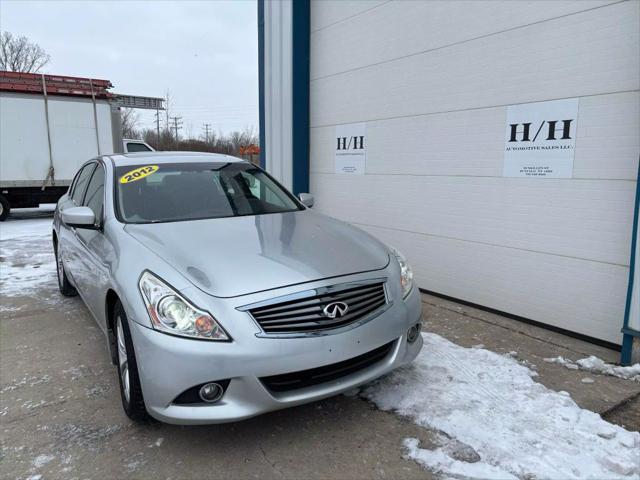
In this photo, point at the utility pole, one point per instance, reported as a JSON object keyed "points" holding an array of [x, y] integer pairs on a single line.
{"points": [[177, 125], [207, 130], [158, 129], [166, 111]]}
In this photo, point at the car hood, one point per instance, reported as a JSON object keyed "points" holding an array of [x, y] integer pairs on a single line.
{"points": [[227, 257]]}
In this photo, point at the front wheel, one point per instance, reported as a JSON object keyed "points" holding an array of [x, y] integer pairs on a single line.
{"points": [[64, 285], [130, 389]]}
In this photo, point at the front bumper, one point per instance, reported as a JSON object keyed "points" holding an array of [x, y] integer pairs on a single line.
{"points": [[169, 365]]}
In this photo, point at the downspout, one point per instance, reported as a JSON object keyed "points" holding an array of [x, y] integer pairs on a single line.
{"points": [[631, 330], [51, 171], [300, 51], [261, 121]]}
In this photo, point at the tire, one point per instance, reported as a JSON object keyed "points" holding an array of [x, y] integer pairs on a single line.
{"points": [[64, 285], [128, 377], [5, 208]]}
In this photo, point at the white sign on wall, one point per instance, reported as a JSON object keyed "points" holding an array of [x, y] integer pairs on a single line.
{"points": [[540, 139], [351, 148]]}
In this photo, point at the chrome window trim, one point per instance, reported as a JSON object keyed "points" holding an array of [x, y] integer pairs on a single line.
{"points": [[315, 292]]}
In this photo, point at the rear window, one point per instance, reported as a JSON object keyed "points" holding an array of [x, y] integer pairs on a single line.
{"points": [[149, 193], [137, 147]]}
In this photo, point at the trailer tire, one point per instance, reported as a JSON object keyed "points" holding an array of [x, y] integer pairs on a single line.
{"points": [[5, 208]]}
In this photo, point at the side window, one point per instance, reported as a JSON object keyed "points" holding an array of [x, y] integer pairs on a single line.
{"points": [[73, 184], [261, 187], [94, 198], [81, 183]]}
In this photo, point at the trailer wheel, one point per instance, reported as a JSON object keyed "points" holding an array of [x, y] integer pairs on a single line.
{"points": [[4, 208]]}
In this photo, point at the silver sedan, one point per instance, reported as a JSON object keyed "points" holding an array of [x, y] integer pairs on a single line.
{"points": [[221, 295]]}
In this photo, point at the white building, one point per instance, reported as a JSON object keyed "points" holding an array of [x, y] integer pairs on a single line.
{"points": [[500, 143]]}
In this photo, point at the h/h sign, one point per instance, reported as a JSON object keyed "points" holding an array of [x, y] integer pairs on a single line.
{"points": [[540, 139], [523, 136], [355, 142], [351, 148]]}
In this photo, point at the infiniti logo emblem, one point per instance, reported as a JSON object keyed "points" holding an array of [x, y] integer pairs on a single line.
{"points": [[335, 310]]}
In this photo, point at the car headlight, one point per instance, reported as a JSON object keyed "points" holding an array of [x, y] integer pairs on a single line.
{"points": [[406, 273], [172, 313]]}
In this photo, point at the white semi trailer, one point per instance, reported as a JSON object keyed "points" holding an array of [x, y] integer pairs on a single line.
{"points": [[49, 126]]}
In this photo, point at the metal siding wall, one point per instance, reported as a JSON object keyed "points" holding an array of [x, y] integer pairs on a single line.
{"points": [[278, 90], [433, 80]]}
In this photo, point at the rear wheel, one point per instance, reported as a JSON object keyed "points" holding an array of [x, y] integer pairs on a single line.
{"points": [[130, 389], [64, 285], [5, 207]]}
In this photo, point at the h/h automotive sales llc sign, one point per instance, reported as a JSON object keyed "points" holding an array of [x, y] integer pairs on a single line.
{"points": [[540, 139]]}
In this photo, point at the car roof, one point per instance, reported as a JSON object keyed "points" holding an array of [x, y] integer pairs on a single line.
{"points": [[170, 157]]}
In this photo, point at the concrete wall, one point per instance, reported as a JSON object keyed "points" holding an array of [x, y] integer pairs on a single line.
{"points": [[433, 81]]}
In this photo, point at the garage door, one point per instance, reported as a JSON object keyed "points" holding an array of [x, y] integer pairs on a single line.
{"points": [[434, 83]]}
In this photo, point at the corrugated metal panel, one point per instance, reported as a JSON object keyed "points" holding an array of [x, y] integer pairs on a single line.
{"points": [[136, 101]]}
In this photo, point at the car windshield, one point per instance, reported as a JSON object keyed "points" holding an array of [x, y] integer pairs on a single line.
{"points": [[169, 192]]}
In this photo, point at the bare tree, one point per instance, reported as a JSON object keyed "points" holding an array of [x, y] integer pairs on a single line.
{"points": [[228, 144], [18, 54], [130, 121], [247, 136]]}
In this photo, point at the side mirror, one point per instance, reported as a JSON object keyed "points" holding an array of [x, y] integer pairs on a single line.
{"points": [[79, 217], [306, 199]]}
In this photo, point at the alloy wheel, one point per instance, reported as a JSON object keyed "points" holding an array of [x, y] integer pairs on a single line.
{"points": [[123, 360], [60, 267]]}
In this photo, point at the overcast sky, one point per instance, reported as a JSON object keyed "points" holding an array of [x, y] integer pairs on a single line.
{"points": [[205, 53]]}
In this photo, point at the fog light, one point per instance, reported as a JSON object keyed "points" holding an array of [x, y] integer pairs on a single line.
{"points": [[413, 332], [211, 392]]}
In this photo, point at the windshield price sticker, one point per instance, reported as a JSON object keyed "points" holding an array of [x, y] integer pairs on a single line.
{"points": [[138, 173]]}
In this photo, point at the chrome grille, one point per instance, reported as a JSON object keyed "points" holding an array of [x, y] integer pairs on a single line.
{"points": [[306, 314]]}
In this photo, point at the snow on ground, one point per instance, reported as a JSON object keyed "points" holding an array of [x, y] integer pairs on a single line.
{"points": [[42, 460], [495, 421], [22, 228], [596, 365], [27, 262]]}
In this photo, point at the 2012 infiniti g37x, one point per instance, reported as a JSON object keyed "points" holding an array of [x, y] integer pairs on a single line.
{"points": [[221, 295]]}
